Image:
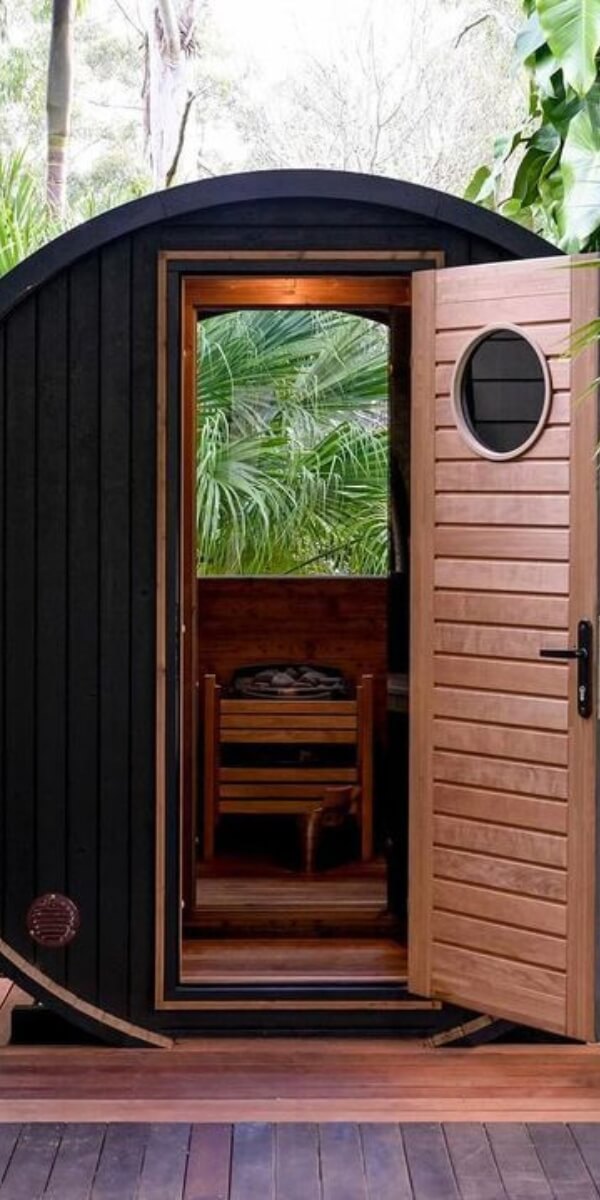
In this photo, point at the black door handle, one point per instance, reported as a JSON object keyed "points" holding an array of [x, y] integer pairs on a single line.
{"points": [[583, 654]]}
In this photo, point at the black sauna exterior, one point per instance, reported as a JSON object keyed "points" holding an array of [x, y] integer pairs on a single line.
{"points": [[78, 388]]}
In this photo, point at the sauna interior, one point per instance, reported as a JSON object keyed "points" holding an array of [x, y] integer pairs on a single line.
{"points": [[296, 838]]}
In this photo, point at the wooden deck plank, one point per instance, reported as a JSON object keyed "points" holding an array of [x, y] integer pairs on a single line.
{"points": [[563, 1165], [9, 1135], [301, 1161], [474, 1166], [253, 1161], [31, 1163], [588, 1140], [120, 1163], [297, 1174], [76, 1162], [209, 1163], [165, 1161], [518, 1163], [431, 1171], [300, 1080], [386, 1168], [342, 1169]]}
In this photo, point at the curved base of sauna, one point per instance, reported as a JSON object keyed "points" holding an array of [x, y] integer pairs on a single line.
{"points": [[409, 1016], [113, 1030]]}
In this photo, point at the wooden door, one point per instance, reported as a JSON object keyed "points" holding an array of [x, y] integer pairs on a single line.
{"points": [[504, 563]]}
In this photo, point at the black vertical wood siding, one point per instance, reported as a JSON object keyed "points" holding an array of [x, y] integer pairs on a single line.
{"points": [[77, 594], [83, 620], [51, 596], [21, 599]]}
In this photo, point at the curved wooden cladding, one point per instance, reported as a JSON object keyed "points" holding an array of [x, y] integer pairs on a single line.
{"points": [[503, 920], [501, 807], [504, 708], [554, 445], [536, 679], [481, 542], [513, 776], [501, 509]]}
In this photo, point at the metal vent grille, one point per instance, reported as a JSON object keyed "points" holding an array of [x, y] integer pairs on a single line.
{"points": [[53, 920]]}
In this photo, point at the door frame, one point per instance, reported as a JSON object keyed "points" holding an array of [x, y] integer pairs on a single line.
{"points": [[185, 280]]}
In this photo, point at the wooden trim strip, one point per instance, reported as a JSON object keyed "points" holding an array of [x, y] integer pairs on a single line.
{"points": [[161, 634], [583, 590], [422, 627], [415, 1005], [208, 292], [435, 256], [42, 981]]}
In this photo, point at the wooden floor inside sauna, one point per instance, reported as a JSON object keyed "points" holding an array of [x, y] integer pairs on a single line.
{"points": [[257, 922], [288, 960], [242, 895]]}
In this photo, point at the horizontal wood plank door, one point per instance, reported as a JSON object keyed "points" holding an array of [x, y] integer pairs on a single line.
{"points": [[504, 563]]}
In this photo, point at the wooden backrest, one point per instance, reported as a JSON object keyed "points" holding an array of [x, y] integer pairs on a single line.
{"points": [[271, 721], [268, 722]]}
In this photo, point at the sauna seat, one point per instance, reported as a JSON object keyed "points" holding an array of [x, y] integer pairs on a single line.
{"points": [[317, 795]]}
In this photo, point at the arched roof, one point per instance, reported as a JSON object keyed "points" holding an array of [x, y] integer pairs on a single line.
{"points": [[267, 185]]}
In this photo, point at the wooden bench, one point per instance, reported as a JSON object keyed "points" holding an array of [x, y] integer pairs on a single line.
{"points": [[316, 795]]}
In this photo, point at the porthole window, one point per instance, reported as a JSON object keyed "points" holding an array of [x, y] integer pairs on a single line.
{"points": [[501, 393]]}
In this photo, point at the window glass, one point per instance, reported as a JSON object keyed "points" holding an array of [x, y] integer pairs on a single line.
{"points": [[502, 391]]}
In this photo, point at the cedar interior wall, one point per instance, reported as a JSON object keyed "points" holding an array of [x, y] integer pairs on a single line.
{"points": [[337, 622], [77, 594]]}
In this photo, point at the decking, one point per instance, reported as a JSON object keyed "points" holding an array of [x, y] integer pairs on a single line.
{"points": [[299, 1162], [298, 1119], [301, 1079]]}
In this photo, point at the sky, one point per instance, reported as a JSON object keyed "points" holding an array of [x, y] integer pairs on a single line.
{"points": [[277, 34]]}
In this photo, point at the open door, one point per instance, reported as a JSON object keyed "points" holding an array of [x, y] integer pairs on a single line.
{"points": [[504, 565]]}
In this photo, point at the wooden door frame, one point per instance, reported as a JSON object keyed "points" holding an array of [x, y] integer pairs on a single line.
{"points": [[583, 602], [203, 284]]}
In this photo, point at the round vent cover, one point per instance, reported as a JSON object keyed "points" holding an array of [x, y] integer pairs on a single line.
{"points": [[53, 920]]}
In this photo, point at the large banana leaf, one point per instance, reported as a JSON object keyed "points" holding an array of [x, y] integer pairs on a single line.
{"points": [[580, 169], [572, 28]]}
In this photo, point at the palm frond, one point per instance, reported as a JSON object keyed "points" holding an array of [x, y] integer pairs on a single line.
{"points": [[292, 463]]}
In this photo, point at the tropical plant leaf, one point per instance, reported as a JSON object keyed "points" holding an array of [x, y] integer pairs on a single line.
{"points": [[24, 221], [529, 38], [572, 29], [292, 459], [480, 186], [580, 171]]}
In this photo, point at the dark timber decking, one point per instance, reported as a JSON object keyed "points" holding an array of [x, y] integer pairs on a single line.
{"points": [[299, 1162]]}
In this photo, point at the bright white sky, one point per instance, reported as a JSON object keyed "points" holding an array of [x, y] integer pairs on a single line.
{"points": [[277, 33]]}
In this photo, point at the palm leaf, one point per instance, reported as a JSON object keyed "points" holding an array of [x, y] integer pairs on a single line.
{"points": [[292, 463]]}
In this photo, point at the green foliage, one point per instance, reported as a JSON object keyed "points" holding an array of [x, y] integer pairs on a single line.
{"points": [[24, 221], [292, 460], [555, 189]]}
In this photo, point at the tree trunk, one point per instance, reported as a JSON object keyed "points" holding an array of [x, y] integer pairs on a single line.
{"points": [[58, 102], [169, 37]]}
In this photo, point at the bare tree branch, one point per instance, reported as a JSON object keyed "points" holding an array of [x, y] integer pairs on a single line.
{"points": [[129, 18], [172, 170]]}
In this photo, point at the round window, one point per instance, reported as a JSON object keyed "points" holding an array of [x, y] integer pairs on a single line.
{"points": [[501, 393]]}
